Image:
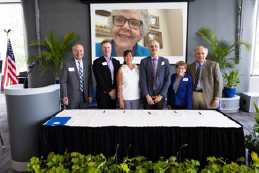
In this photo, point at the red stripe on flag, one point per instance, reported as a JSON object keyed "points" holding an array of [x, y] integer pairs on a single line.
{"points": [[10, 68]]}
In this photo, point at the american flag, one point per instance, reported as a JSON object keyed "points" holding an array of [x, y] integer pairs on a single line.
{"points": [[10, 77]]}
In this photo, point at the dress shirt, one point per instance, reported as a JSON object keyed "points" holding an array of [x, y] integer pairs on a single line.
{"points": [[177, 82], [77, 65], [156, 60], [197, 66], [110, 65]]}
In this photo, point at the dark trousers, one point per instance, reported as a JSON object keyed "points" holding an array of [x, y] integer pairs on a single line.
{"points": [[104, 101], [177, 107], [159, 105]]}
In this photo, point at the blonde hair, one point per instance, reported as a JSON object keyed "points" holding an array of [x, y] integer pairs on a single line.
{"points": [[181, 63]]}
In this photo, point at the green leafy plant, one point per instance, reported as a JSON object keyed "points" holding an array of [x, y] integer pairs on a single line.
{"points": [[252, 139], [232, 79], [54, 49], [220, 165], [78, 163], [220, 50]]}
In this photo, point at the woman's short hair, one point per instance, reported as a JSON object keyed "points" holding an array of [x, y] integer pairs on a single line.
{"points": [[126, 52], [181, 63], [144, 17]]}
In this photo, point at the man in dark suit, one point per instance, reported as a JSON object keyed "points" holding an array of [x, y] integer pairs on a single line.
{"points": [[207, 80], [105, 72], [76, 80], [154, 78]]}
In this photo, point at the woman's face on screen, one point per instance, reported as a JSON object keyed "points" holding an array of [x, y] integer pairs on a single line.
{"points": [[124, 36]]}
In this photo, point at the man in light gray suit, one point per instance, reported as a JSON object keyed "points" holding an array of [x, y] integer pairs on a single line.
{"points": [[207, 80], [154, 78], [76, 80]]}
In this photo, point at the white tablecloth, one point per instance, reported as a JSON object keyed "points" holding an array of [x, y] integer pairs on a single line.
{"points": [[147, 118]]}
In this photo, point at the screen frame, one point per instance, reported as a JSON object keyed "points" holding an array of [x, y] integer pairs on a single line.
{"points": [[143, 5]]}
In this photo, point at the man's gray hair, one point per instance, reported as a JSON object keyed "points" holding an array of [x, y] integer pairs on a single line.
{"points": [[144, 17], [73, 48], [206, 50]]}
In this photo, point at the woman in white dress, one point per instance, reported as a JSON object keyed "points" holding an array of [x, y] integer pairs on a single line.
{"points": [[128, 83]]}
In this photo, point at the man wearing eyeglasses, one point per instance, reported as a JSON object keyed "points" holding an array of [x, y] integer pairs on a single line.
{"points": [[128, 27], [154, 78]]}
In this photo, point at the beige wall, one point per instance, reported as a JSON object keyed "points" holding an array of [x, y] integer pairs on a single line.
{"points": [[171, 26]]}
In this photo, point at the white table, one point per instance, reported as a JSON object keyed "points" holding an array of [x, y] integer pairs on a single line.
{"points": [[152, 133]]}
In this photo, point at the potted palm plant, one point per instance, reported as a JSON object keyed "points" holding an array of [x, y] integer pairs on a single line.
{"points": [[231, 82], [53, 54], [221, 50]]}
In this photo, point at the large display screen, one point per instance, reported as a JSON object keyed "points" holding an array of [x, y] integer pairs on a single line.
{"points": [[134, 25]]}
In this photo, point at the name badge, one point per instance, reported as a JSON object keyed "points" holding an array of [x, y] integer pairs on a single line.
{"points": [[71, 69], [104, 63], [163, 63], [185, 79]]}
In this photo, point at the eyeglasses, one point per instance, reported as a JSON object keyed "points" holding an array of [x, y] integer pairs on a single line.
{"points": [[180, 68], [133, 23]]}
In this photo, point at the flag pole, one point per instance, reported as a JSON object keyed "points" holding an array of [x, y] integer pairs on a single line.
{"points": [[7, 32], [5, 66]]}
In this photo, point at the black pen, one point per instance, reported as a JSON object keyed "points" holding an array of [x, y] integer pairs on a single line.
{"points": [[149, 112]]}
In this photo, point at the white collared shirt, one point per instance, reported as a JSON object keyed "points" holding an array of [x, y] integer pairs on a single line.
{"points": [[77, 65]]}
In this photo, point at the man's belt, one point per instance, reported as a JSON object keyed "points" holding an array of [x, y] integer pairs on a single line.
{"points": [[198, 90]]}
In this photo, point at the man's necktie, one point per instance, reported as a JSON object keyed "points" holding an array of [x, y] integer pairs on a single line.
{"points": [[81, 80], [154, 73], [197, 76]]}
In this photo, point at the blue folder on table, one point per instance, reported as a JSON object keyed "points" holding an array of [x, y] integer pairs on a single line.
{"points": [[57, 121]]}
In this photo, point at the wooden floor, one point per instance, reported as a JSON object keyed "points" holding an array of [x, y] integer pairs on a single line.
{"points": [[246, 119]]}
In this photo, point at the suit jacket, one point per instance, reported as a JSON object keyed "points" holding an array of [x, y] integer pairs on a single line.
{"points": [[183, 95], [69, 81], [211, 80], [103, 76], [162, 76]]}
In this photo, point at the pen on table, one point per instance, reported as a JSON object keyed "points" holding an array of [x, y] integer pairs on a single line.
{"points": [[124, 111], [149, 112], [175, 111], [200, 113], [104, 111]]}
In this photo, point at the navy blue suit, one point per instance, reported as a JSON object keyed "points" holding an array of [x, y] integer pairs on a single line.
{"points": [[162, 76], [183, 96]]}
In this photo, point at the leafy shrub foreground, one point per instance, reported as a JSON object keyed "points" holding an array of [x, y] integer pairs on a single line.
{"points": [[79, 163]]}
